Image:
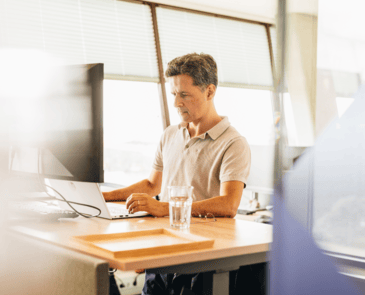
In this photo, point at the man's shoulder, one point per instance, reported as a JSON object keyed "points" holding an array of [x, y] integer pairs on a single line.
{"points": [[234, 141], [170, 132], [231, 134], [224, 131]]}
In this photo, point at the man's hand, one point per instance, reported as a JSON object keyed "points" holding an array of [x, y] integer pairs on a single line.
{"points": [[143, 202]]}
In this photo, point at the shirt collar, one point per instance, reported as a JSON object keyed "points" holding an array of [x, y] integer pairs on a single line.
{"points": [[218, 129], [215, 131], [183, 125]]}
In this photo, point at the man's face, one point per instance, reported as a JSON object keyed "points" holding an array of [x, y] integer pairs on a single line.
{"points": [[190, 101]]}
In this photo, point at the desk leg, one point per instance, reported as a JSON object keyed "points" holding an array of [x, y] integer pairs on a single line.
{"points": [[221, 283], [216, 282]]}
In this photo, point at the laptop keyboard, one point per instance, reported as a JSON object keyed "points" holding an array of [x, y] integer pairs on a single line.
{"points": [[117, 209]]}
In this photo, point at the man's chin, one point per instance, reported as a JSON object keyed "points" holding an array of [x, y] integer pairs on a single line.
{"points": [[185, 119]]}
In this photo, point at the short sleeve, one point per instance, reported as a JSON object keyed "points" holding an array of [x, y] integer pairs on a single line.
{"points": [[158, 162], [236, 161]]}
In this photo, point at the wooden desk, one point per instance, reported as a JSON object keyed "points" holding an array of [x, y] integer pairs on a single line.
{"points": [[237, 243]]}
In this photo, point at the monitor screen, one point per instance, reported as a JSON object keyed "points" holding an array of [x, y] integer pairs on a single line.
{"points": [[62, 136]]}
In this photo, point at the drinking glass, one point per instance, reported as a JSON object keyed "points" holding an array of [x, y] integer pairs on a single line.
{"points": [[180, 200]]}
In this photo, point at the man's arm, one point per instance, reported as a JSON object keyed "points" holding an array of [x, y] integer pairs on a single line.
{"points": [[224, 205], [149, 187]]}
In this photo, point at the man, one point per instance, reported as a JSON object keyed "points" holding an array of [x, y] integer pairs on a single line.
{"points": [[203, 151]]}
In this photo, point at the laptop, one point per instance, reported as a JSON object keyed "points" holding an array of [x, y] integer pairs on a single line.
{"points": [[90, 194]]}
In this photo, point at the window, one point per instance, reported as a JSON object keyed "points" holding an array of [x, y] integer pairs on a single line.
{"points": [[240, 49], [249, 111], [132, 129], [116, 33]]}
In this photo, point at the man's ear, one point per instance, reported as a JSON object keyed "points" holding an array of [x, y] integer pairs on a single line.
{"points": [[210, 91]]}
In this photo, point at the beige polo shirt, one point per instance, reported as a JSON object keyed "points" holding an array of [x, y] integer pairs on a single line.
{"points": [[206, 161]]}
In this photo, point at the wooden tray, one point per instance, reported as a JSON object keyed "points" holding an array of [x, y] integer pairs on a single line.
{"points": [[147, 242]]}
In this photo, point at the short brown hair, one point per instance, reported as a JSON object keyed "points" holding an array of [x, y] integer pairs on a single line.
{"points": [[202, 68]]}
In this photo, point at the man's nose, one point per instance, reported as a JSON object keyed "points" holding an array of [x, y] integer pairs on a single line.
{"points": [[178, 102]]}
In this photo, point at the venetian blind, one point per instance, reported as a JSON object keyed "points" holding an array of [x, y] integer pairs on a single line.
{"points": [[116, 33], [240, 48]]}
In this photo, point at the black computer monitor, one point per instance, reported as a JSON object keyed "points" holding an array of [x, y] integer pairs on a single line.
{"points": [[64, 137]]}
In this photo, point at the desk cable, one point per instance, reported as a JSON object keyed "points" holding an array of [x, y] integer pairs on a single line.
{"points": [[45, 186], [75, 203], [136, 277]]}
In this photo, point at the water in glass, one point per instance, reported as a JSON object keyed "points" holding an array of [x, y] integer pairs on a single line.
{"points": [[180, 212]]}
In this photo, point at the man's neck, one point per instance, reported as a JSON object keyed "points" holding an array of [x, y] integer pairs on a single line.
{"points": [[198, 128]]}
